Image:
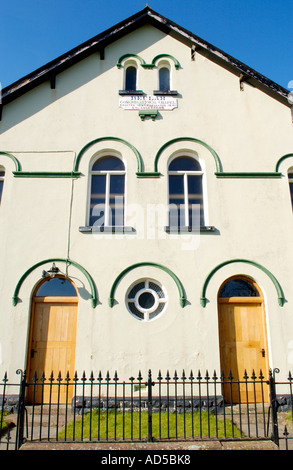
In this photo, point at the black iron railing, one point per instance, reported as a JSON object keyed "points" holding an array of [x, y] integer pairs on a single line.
{"points": [[177, 407]]}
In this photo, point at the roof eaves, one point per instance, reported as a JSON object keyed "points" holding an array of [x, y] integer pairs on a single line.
{"points": [[98, 42]]}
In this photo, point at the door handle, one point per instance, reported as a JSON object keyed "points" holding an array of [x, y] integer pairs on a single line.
{"points": [[263, 353]]}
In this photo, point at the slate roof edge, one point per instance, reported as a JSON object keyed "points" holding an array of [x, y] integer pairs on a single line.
{"points": [[98, 42]]}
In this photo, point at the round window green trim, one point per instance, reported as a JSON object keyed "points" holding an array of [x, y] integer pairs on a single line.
{"points": [[182, 297], [94, 297], [13, 158], [281, 299], [188, 139], [160, 56], [127, 56], [115, 139], [288, 155]]}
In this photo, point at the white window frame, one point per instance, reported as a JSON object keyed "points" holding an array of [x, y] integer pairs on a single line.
{"points": [[158, 300], [126, 66], [185, 174], [108, 174], [165, 65]]}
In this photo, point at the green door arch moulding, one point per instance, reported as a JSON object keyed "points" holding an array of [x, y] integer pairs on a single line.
{"points": [[182, 299], [94, 297], [288, 155], [13, 158], [281, 299], [115, 139], [188, 139]]}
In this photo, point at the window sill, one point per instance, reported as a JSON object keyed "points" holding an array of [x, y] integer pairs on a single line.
{"points": [[167, 93], [109, 229], [131, 92], [202, 229]]}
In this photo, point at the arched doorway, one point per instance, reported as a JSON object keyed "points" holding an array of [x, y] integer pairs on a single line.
{"points": [[52, 339], [242, 338]]}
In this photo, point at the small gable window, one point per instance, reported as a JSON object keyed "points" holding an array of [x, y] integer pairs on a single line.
{"points": [[130, 78], [164, 79]]}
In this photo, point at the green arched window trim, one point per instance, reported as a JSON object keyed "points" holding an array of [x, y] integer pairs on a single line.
{"points": [[127, 56], [187, 139], [182, 297], [288, 155], [281, 298], [115, 139], [168, 56], [13, 158], [94, 297], [143, 63]]}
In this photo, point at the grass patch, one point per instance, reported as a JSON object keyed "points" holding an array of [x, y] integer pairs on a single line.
{"points": [[3, 423], [115, 425]]}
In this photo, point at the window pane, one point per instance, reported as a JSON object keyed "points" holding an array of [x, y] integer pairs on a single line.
{"points": [[130, 79], [291, 191], [97, 204], [108, 163], [176, 199], [164, 79], [195, 201], [184, 164], [238, 288], [290, 177], [116, 200], [56, 287], [146, 300], [1, 188]]}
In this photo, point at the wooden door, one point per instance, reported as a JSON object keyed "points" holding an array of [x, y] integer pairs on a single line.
{"points": [[52, 347], [243, 346]]}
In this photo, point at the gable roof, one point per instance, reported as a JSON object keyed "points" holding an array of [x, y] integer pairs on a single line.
{"points": [[146, 16]]}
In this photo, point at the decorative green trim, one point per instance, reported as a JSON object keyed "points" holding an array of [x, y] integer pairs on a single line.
{"points": [[46, 174], [143, 63], [116, 139], [158, 57], [250, 174], [288, 155], [182, 299], [281, 299], [188, 139], [149, 174], [13, 158], [126, 56], [143, 113], [94, 297]]}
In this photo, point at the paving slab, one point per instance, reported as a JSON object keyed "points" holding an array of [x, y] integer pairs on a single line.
{"points": [[152, 446]]}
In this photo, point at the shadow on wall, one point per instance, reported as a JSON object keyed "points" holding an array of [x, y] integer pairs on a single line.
{"points": [[85, 71]]}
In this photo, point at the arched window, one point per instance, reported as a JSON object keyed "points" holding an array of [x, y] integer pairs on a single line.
{"points": [[107, 192], [130, 78], [239, 287], [290, 179], [164, 79], [56, 287], [185, 193], [2, 175]]}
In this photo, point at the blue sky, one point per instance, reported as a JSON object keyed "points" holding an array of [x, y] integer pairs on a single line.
{"points": [[256, 32]]}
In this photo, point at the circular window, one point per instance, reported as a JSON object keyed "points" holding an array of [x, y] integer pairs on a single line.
{"points": [[146, 300]]}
